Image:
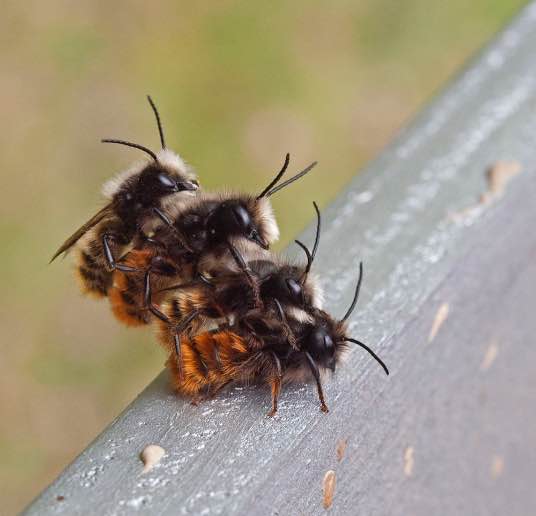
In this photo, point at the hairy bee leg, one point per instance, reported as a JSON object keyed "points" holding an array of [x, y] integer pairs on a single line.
{"points": [[178, 353], [177, 339], [110, 257], [147, 298], [276, 389], [291, 338], [214, 392], [316, 374], [210, 394], [276, 385], [247, 272], [165, 219]]}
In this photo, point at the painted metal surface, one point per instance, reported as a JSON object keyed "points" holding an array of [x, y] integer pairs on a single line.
{"points": [[453, 429]]}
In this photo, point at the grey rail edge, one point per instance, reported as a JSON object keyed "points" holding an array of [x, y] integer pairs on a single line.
{"points": [[449, 303]]}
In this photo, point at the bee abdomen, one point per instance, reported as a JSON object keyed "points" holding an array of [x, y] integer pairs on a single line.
{"points": [[94, 280], [207, 361]]}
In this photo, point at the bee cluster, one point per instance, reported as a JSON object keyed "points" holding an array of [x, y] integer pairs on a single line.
{"points": [[197, 266]]}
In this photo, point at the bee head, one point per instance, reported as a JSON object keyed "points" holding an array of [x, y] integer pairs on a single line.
{"points": [[147, 184], [325, 338], [240, 217], [166, 176]]}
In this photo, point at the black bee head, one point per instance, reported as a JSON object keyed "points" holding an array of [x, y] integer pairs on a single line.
{"points": [[234, 218], [322, 345], [284, 285], [156, 182]]}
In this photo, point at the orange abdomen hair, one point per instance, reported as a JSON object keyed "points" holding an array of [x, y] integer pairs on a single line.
{"points": [[126, 292], [178, 307], [207, 362]]}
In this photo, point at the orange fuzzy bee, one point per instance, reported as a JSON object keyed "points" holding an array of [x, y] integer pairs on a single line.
{"points": [[256, 349]]}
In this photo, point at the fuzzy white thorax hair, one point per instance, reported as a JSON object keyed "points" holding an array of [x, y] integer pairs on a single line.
{"points": [[267, 217], [166, 158], [316, 289]]}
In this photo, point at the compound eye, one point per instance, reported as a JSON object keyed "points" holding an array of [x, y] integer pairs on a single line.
{"points": [[328, 342], [317, 341], [295, 290], [241, 216], [166, 181]]}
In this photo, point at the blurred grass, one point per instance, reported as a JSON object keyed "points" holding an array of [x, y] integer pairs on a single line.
{"points": [[238, 84]]}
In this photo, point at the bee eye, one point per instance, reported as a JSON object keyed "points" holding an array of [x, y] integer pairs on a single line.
{"points": [[321, 342], [294, 289], [242, 217], [166, 181]]}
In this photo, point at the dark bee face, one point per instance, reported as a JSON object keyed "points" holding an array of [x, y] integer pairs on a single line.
{"points": [[321, 345], [233, 219], [156, 182], [283, 287]]}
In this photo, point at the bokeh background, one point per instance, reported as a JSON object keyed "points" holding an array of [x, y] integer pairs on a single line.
{"points": [[238, 84]]}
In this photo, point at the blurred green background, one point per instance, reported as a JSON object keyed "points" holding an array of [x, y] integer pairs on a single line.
{"points": [[238, 84]]}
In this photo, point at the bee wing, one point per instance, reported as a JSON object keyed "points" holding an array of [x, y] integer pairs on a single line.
{"points": [[77, 235]]}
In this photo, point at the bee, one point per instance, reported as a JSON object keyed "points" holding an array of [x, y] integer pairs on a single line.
{"points": [[137, 200], [197, 242], [260, 281], [256, 349]]}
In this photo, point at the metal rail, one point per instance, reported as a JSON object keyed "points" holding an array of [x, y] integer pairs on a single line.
{"points": [[448, 301]]}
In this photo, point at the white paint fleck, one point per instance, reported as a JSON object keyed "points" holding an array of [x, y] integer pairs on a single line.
{"points": [[440, 317], [497, 466], [408, 461], [490, 356], [151, 456], [329, 488]]}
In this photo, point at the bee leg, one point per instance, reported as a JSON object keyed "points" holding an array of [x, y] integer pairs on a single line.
{"points": [[165, 219], [253, 283], [179, 329], [110, 257], [210, 393], [213, 392], [291, 338], [148, 302], [275, 383], [316, 374]]}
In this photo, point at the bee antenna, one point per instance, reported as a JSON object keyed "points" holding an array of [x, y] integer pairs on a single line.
{"points": [[317, 236], [376, 357], [274, 181], [135, 145], [309, 258], [158, 121], [356, 295], [311, 255], [292, 179]]}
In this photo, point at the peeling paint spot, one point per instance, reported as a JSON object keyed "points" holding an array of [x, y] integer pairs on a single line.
{"points": [[498, 176], [329, 488], [408, 461], [490, 356], [341, 448], [151, 456], [497, 466], [440, 318]]}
